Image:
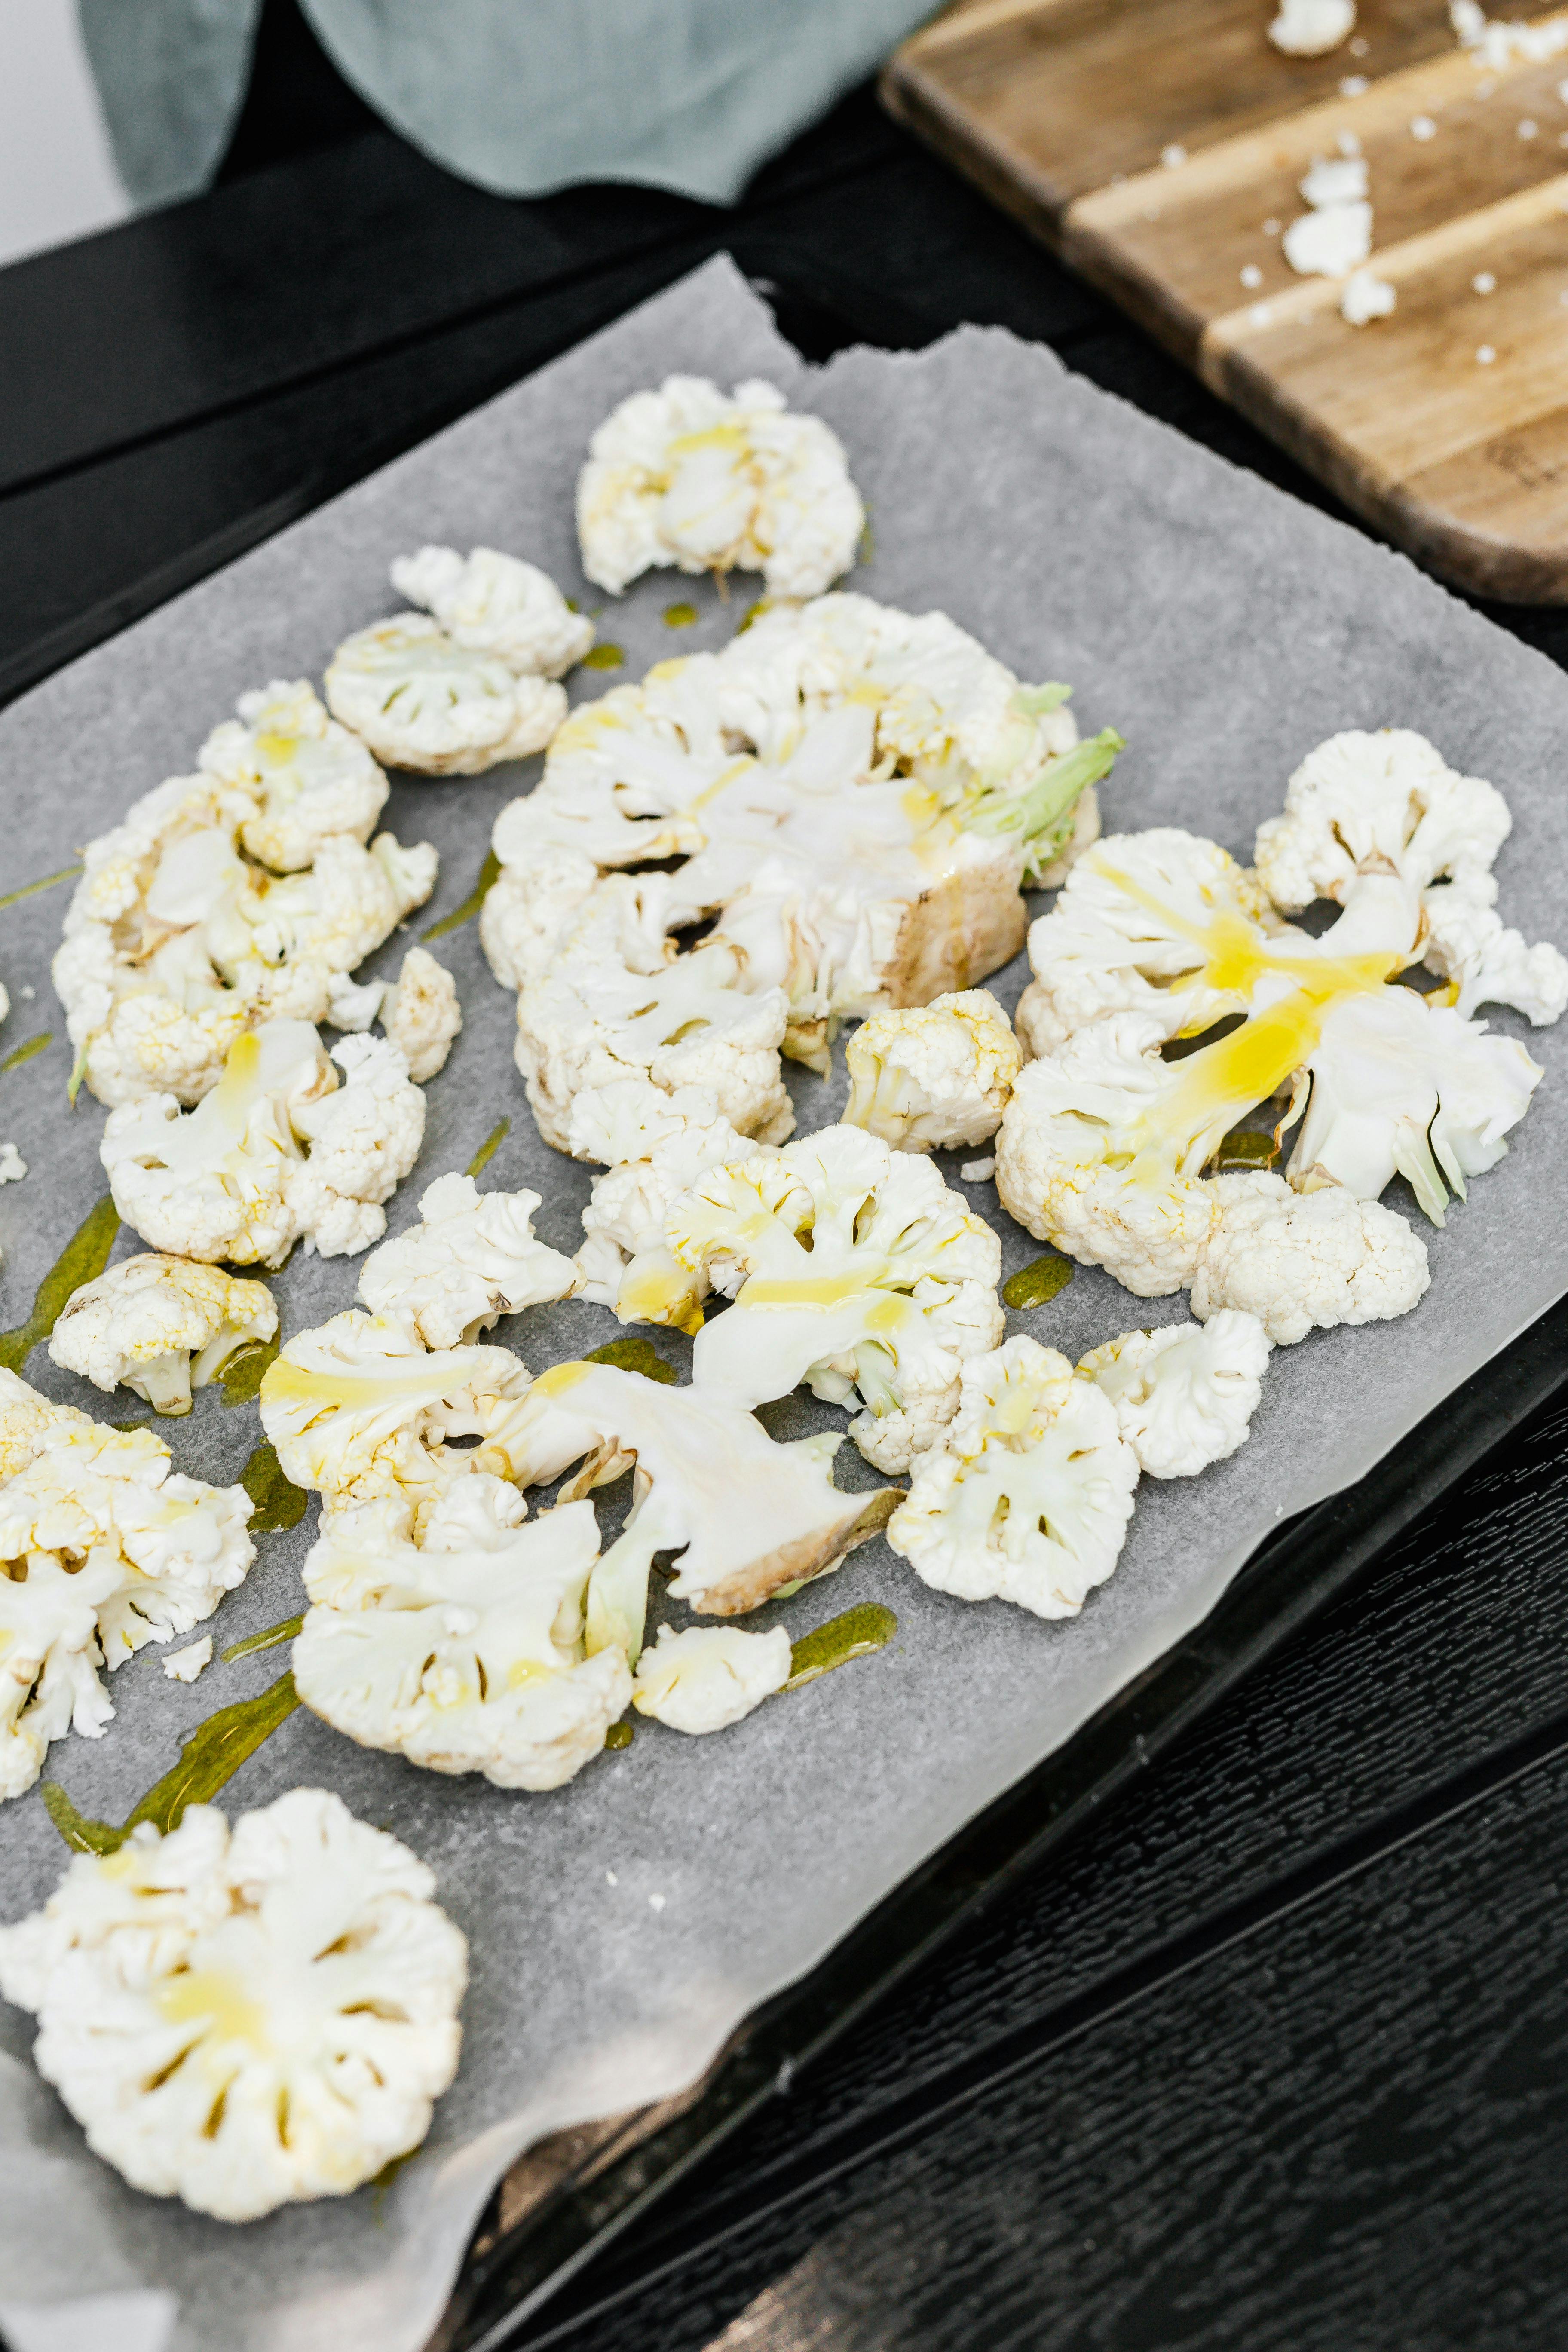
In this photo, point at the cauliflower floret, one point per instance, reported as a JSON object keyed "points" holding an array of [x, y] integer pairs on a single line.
{"points": [[932, 1078], [695, 1453], [1162, 923], [854, 1268], [471, 1259], [1403, 1084], [13, 1167], [708, 1676], [312, 777], [360, 1408], [422, 701], [160, 1327], [184, 1665], [103, 1548], [1466, 942], [857, 793], [655, 1146], [232, 1179], [463, 1654], [1028, 1496], [619, 1002], [1304, 1260], [422, 1015], [1184, 1395], [245, 2019], [175, 943], [684, 476], [497, 604]]}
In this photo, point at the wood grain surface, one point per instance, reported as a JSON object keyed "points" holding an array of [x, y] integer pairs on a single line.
{"points": [[1062, 110]]}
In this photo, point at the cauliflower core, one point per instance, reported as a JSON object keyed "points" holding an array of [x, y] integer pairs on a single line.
{"points": [[1184, 1395], [245, 2019], [104, 1546], [453, 690], [241, 895], [708, 1676], [161, 1327], [278, 1152], [934, 1078], [685, 477], [654, 1145], [1028, 1496], [463, 1653], [854, 1268], [471, 1259], [856, 794]]}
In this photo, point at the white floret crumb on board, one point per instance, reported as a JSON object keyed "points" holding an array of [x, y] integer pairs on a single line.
{"points": [[184, 1665]]}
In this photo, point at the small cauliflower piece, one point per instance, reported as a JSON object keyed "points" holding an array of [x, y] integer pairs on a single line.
{"points": [[176, 941], [684, 476], [1487, 962], [279, 1152], [245, 2019], [497, 604], [1186, 1394], [465, 1653], [1300, 1261], [708, 1676], [103, 1548], [13, 1167], [161, 1327], [619, 1002], [655, 1145], [1310, 28], [1028, 1496], [853, 1268], [934, 1078], [360, 1408], [1329, 242], [421, 701], [422, 1015], [184, 1665], [471, 1259], [746, 1516], [312, 777]]}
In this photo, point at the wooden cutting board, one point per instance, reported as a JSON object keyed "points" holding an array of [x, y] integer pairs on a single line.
{"points": [[1063, 111]]}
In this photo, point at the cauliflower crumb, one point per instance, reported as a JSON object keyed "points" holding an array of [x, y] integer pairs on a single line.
{"points": [[245, 2019], [1366, 296], [1310, 28], [708, 1676], [422, 1014], [13, 1167], [159, 1326], [184, 1665], [978, 1171]]}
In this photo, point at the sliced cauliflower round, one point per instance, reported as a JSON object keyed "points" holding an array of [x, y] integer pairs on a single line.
{"points": [[852, 1267], [619, 1002], [276, 1153], [422, 1015], [746, 1516], [359, 1408], [1028, 1496], [104, 1546], [463, 1653], [1300, 1261], [177, 941], [706, 1677], [161, 1327], [857, 793], [422, 701], [654, 1145], [471, 1259], [934, 1078], [498, 604], [1186, 1394], [312, 777], [685, 476], [245, 2019]]}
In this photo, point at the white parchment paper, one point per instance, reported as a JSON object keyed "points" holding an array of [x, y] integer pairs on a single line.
{"points": [[1224, 629]]}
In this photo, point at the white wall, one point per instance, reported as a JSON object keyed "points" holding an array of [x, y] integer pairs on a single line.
{"points": [[57, 178]]}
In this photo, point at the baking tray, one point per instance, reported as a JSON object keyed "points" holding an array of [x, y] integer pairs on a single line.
{"points": [[577, 2186]]}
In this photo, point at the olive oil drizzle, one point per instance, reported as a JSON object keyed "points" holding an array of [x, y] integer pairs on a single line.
{"points": [[635, 1356], [489, 872], [83, 1259], [267, 1639], [20, 1054], [279, 1503], [31, 889], [1037, 1282], [490, 1147], [604, 657], [209, 1759], [858, 1633], [1245, 1147], [620, 1734], [679, 616], [241, 1377]]}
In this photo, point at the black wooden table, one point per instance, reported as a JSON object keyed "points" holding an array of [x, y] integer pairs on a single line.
{"points": [[1274, 2056]]}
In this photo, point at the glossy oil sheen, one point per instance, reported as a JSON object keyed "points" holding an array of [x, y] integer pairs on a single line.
{"points": [[209, 1759], [278, 1502], [1034, 1283], [603, 657], [489, 872], [83, 1259], [490, 1147], [267, 1639], [241, 1377], [20, 1054], [858, 1633], [635, 1356]]}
